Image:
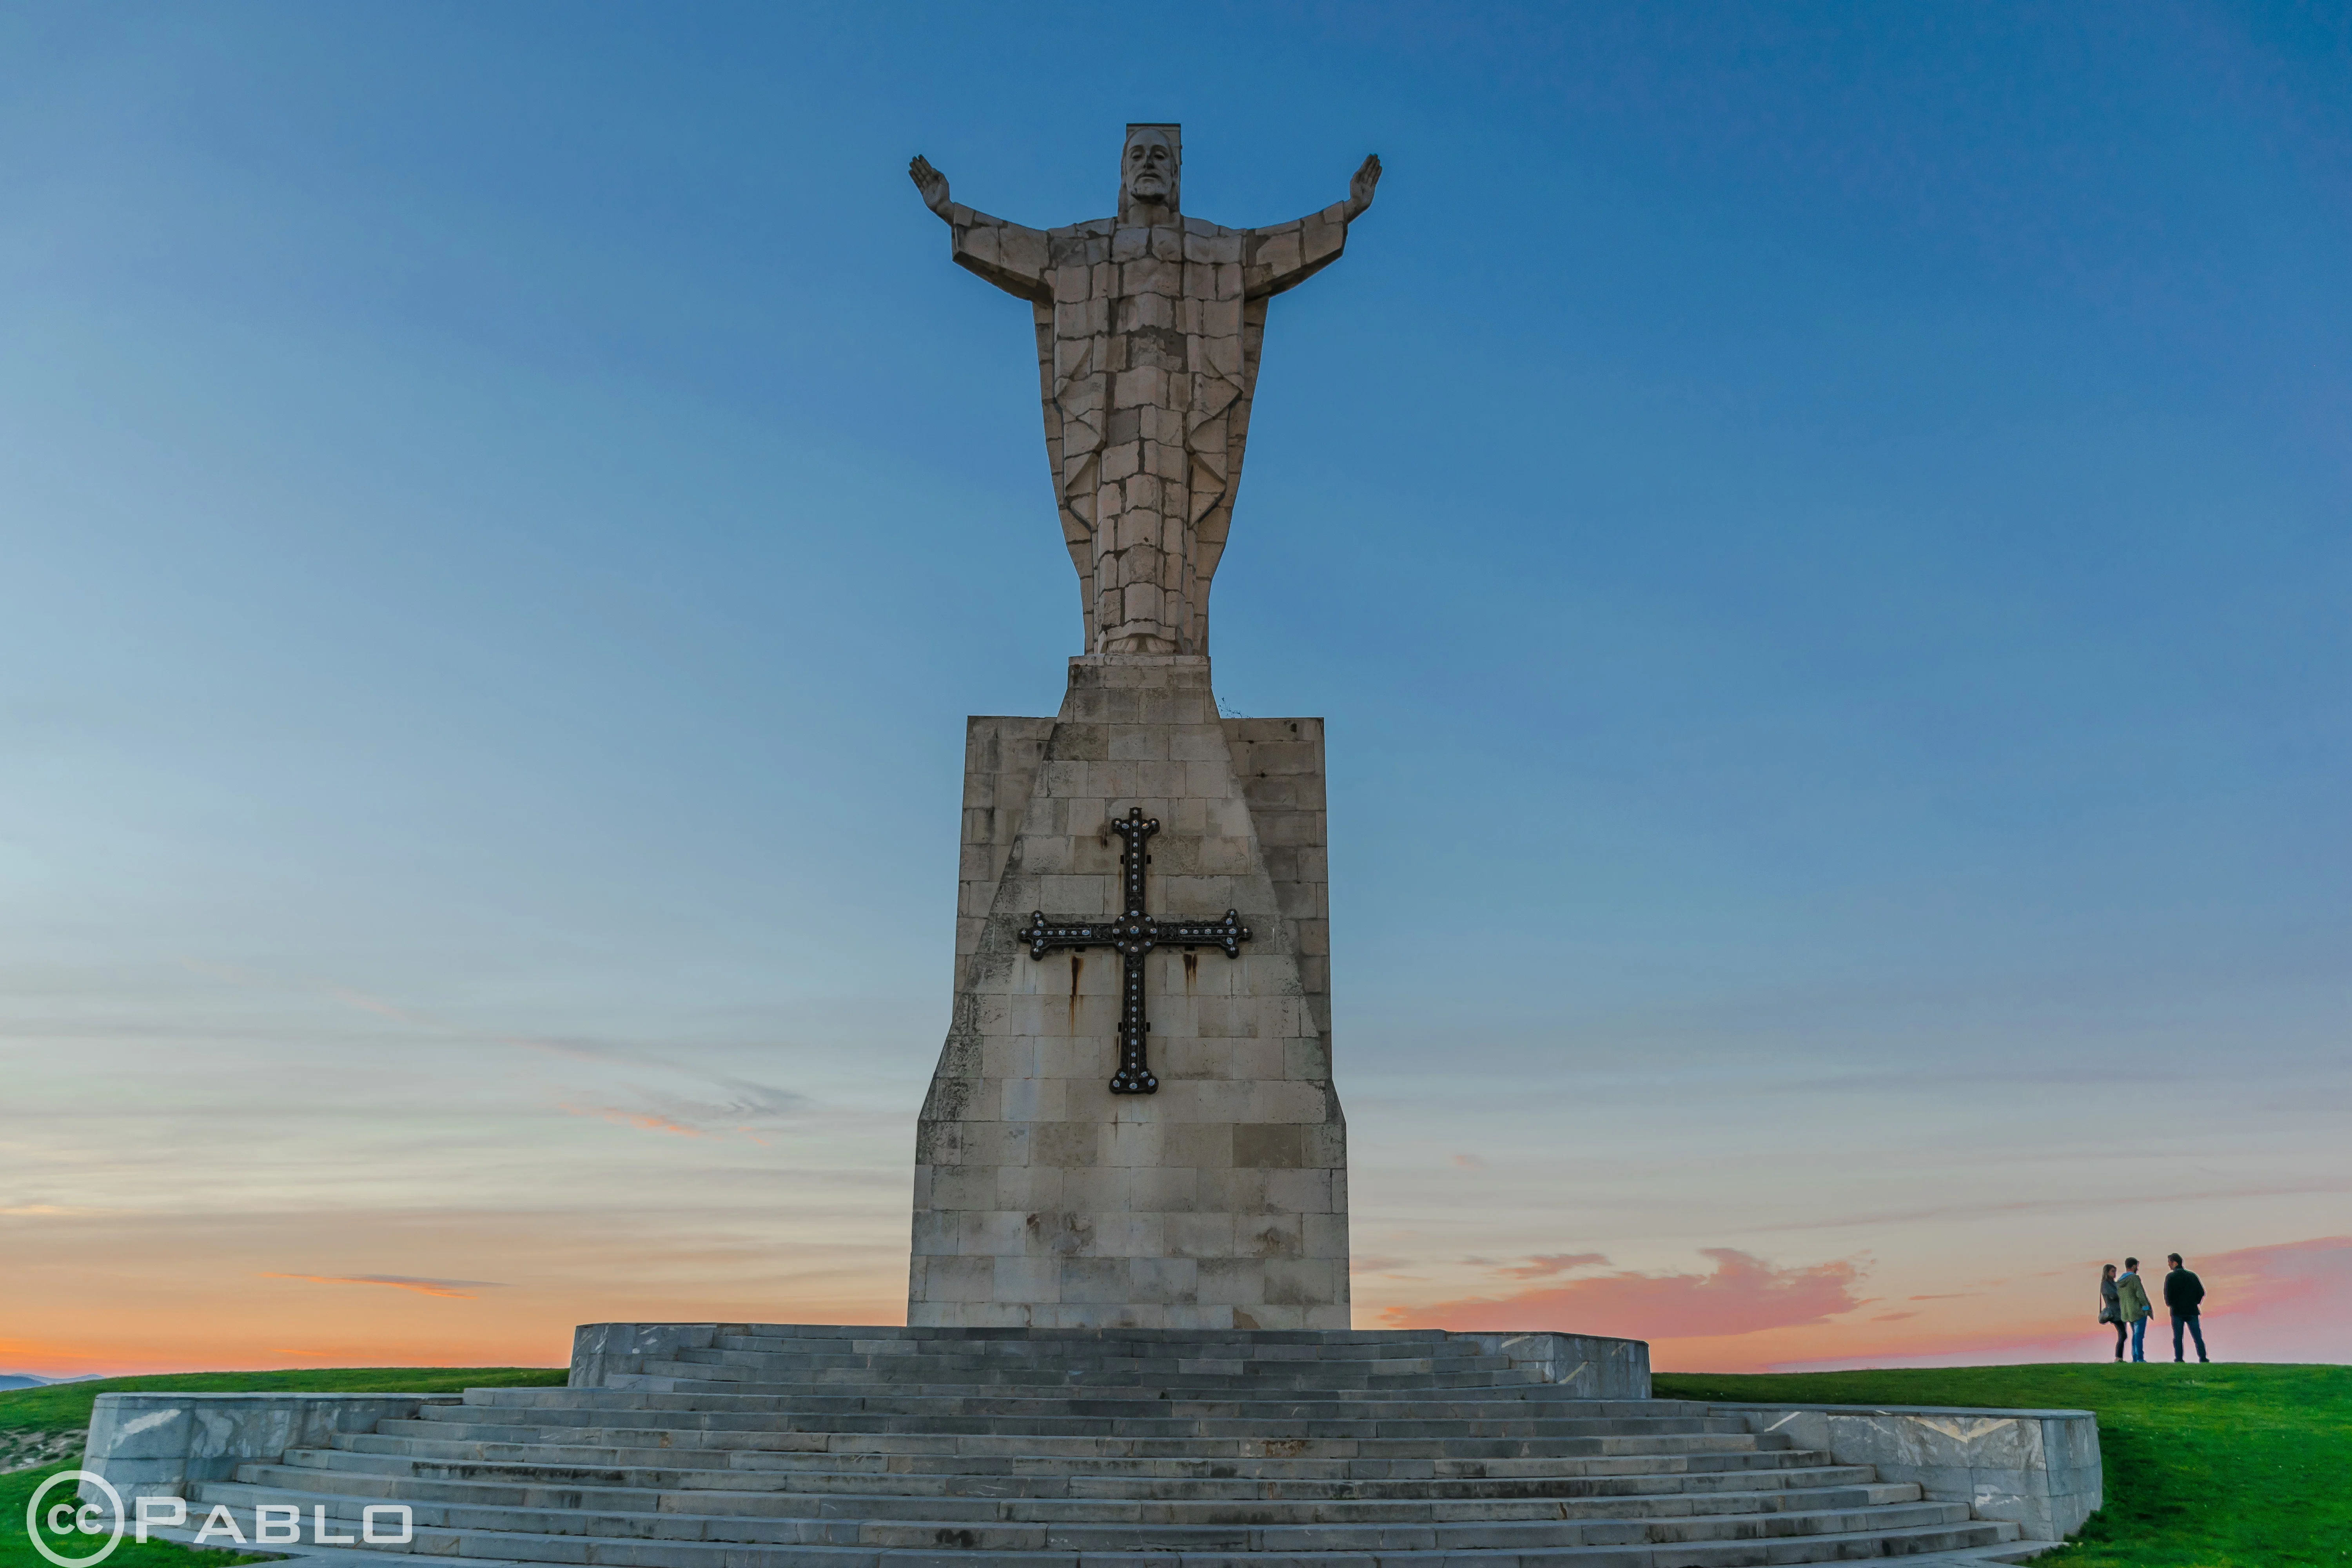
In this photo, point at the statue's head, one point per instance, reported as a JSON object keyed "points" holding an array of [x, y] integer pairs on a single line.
{"points": [[1151, 170]]}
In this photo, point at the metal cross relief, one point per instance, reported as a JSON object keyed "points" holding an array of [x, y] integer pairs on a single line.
{"points": [[1132, 935]]}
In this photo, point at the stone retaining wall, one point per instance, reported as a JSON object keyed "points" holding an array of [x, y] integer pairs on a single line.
{"points": [[2037, 1467], [155, 1445]]}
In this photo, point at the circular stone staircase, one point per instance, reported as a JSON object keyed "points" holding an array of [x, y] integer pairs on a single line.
{"points": [[795, 1448]]}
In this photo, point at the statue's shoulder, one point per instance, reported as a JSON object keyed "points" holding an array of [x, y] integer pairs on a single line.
{"points": [[1213, 244], [1081, 244]]}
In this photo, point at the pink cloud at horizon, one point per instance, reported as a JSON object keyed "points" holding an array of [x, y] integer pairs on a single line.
{"points": [[1742, 1295], [2274, 1303]]}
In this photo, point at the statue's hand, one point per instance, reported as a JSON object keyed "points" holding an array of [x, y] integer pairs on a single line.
{"points": [[930, 182], [1360, 188]]}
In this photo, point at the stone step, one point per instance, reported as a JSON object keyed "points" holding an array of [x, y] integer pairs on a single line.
{"points": [[680, 1451], [1142, 1336], [1205, 1354], [1037, 1368], [1098, 1407], [1661, 1498], [1162, 1421], [1253, 1344], [725, 1531], [1230, 1357], [1180, 1441], [1076, 1425], [1054, 1399], [1038, 1361], [1031, 1476], [685, 1410], [655, 1372], [824, 1435], [712, 1446], [1543, 1400]]}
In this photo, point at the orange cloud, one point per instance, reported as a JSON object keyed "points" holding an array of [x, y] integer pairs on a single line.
{"points": [[1743, 1295], [651, 1121], [448, 1288]]}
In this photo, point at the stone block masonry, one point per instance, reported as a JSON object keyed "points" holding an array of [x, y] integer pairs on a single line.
{"points": [[1044, 1200]]}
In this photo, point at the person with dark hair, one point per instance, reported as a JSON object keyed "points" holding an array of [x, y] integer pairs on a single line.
{"points": [[2138, 1309], [2111, 1307], [2183, 1292]]}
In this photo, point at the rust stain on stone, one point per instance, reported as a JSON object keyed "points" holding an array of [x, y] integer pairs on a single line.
{"points": [[1077, 967]]}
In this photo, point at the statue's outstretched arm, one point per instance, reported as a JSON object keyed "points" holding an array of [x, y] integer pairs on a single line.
{"points": [[1007, 255], [1288, 254]]}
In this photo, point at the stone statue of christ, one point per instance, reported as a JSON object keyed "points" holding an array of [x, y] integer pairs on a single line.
{"points": [[1148, 332]]}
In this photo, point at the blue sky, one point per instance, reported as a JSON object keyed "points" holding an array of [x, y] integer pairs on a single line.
{"points": [[1819, 533]]}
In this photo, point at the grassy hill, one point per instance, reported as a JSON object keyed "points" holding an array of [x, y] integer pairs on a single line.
{"points": [[2207, 1466], [49, 1424]]}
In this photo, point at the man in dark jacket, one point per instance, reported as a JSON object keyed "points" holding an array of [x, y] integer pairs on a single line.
{"points": [[2182, 1292]]}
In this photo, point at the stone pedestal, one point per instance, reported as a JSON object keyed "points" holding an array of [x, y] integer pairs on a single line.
{"points": [[1044, 1200]]}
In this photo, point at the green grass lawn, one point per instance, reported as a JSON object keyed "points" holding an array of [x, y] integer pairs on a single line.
{"points": [[2206, 1466], [26, 1414]]}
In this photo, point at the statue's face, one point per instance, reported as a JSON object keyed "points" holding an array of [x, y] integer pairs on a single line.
{"points": [[1151, 170]]}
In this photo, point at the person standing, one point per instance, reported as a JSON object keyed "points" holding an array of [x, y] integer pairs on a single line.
{"points": [[2138, 1309], [2182, 1293], [2111, 1307]]}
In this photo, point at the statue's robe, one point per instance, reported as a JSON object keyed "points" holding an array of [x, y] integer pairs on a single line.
{"points": [[1147, 355]]}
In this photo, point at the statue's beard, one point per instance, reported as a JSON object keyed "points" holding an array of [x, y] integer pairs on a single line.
{"points": [[1148, 188]]}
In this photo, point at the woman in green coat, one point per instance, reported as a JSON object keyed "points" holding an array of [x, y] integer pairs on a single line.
{"points": [[2111, 1305], [2137, 1309]]}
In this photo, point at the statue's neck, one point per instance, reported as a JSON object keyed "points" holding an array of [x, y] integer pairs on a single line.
{"points": [[1135, 213]]}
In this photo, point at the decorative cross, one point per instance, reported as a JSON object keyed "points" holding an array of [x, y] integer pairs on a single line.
{"points": [[1132, 935]]}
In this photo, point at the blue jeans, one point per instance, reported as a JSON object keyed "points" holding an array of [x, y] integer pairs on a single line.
{"points": [[2188, 1322], [2140, 1338]]}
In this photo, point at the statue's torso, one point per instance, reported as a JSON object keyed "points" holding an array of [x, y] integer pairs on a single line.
{"points": [[1147, 356]]}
